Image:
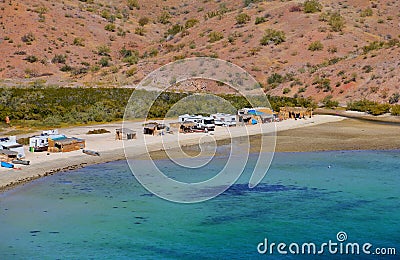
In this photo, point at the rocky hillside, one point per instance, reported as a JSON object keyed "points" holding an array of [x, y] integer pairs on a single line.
{"points": [[347, 49]]}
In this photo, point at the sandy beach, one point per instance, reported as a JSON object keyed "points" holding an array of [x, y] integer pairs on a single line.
{"points": [[322, 132]]}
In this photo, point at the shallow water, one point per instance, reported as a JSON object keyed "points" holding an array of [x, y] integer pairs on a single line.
{"points": [[101, 211]]}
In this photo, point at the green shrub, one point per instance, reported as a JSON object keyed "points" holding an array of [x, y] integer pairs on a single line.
{"points": [[104, 61], [28, 38], [316, 46], [376, 45], [274, 36], [366, 12], [66, 68], [59, 58], [242, 18], [129, 56], [130, 72], [286, 91], [191, 23], [395, 111], [329, 103], [260, 20], [31, 58], [322, 83], [215, 36], [132, 4], [78, 41], [105, 14], [368, 106], [337, 22], [312, 6], [110, 27], [175, 29], [379, 109], [143, 21], [164, 18], [275, 79], [140, 31], [103, 50]]}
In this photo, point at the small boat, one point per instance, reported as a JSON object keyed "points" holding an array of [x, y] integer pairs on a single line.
{"points": [[23, 162], [90, 152], [7, 165]]}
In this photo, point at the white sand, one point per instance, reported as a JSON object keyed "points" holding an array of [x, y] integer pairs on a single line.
{"points": [[111, 149]]}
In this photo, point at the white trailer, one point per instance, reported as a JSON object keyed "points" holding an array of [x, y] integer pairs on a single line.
{"points": [[224, 119]]}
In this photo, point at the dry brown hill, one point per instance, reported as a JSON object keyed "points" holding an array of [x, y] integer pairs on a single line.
{"points": [[347, 49]]}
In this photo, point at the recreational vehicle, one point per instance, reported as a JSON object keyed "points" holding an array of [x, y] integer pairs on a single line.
{"points": [[221, 119], [202, 123]]}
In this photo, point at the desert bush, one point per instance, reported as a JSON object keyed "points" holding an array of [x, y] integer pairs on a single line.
{"points": [[28, 38], [322, 83], [260, 20], [164, 18], [367, 69], [316, 46], [395, 110], [191, 23], [105, 14], [379, 109], [110, 27], [337, 22], [242, 18], [104, 61], [215, 36], [143, 21], [103, 50], [273, 36], [59, 58], [368, 106], [130, 72], [132, 4], [129, 56], [175, 29], [332, 49], [140, 31], [275, 79], [66, 68], [328, 102], [376, 45], [312, 6], [31, 58], [366, 12], [394, 98], [286, 91], [153, 52], [78, 41]]}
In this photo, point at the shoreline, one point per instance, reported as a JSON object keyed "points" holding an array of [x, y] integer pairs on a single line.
{"points": [[112, 150]]}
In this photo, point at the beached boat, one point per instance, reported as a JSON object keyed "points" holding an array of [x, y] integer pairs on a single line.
{"points": [[7, 165], [90, 152], [23, 162]]}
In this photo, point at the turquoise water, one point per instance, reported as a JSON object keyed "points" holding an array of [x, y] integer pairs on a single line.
{"points": [[102, 212]]}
